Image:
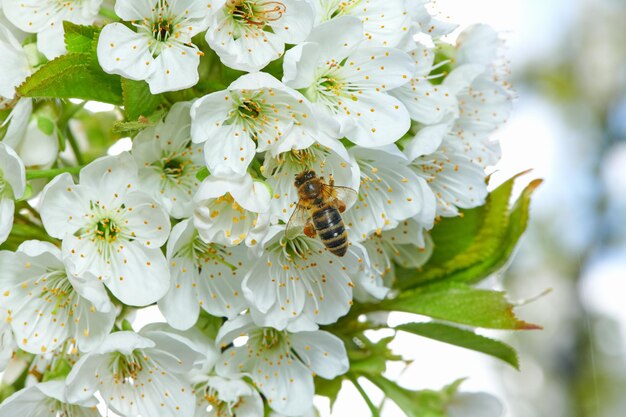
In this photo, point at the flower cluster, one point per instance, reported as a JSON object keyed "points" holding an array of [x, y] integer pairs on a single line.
{"points": [[201, 216]]}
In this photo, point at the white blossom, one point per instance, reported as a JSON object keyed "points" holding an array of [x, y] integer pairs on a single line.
{"points": [[456, 181], [46, 306], [349, 81], [47, 399], [168, 161], [297, 284], [231, 211], [223, 397], [203, 275], [390, 192], [12, 186], [160, 49], [426, 103], [139, 373], [7, 342], [329, 163], [248, 34], [256, 113], [14, 65], [281, 364], [45, 17], [110, 228], [407, 245], [385, 22]]}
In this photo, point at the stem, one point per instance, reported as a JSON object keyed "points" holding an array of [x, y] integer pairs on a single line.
{"points": [[51, 173], [370, 404], [74, 145]]}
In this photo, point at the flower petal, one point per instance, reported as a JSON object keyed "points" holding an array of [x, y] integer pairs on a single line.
{"points": [[323, 352], [63, 206], [176, 68], [139, 276], [122, 51]]}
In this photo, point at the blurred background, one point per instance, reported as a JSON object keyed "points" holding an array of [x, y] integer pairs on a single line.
{"points": [[568, 62]]}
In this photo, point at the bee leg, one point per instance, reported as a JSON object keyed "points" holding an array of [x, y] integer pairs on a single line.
{"points": [[339, 205], [309, 229]]}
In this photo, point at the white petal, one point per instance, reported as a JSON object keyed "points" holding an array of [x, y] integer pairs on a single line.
{"points": [[51, 42], [7, 208], [426, 103], [179, 305], [230, 153], [477, 44], [288, 387], [296, 24], [337, 38], [93, 326], [378, 67], [13, 170], [18, 122], [63, 206], [147, 220], [300, 64], [14, 65], [219, 287], [208, 113], [427, 140], [176, 68], [109, 178], [139, 276], [124, 52], [134, 9], [323, 352], [387, 123], [38, 149], [29, 15], [246, 53]]}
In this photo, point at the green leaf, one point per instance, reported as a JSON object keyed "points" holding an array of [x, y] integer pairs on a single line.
{"points": [[328, 388], [424, 403], [76, 74], [72, 76], [476, 245], [463, 338], [368, 358], [138, 100], [457, 303], [80, 38]]}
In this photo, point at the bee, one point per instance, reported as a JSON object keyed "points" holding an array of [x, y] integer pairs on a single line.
{"points": [[319, 210]]}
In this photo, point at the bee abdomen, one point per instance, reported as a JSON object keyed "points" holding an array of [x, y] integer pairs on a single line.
{"points": [[331, 230]]}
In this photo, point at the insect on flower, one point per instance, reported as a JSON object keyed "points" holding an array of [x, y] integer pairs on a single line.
{"points": [[319, 210]]}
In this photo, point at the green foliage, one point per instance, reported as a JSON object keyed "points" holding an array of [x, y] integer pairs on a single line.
{"points": [[457, 303], [138, 101], [463, 338], [424, 403], [80, 39], [367, 358], [470, 248], [328, 388], [76, 74]]}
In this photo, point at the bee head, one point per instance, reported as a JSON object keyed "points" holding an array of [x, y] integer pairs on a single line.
{"points": [[303, 177]]}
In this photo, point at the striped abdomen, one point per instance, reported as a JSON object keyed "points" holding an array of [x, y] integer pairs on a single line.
{"points": [[331, 230]]}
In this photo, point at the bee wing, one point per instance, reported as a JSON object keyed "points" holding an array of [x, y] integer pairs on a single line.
{"points": [[345, 194], [298, 219]]}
